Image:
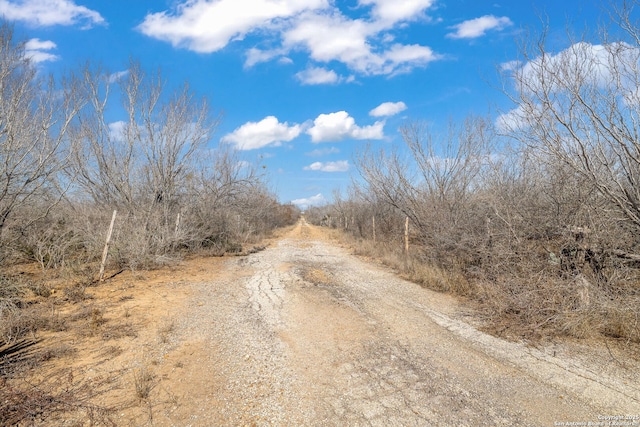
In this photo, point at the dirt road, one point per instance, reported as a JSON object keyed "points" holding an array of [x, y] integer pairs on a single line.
{"points": [[303, 333]]}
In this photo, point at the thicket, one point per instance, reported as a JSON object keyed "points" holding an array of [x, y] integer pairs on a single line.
{"points": [[535, 215], [76, 148]]}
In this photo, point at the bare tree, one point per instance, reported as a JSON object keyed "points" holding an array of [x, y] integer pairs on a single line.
{"points": [[433, 185], [146, 158], [169, 132], [580, 107], [35, 116], [143, 164]]}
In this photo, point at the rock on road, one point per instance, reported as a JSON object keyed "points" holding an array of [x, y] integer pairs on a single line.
{"points": [[303, 333]]}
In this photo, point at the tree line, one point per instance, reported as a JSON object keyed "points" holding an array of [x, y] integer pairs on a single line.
{"points": [[536, 214], [76, 148]]}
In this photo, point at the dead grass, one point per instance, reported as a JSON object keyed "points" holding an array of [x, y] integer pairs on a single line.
{"points": [[413, 267], [144, 381], [515, 303], [165, 330], [51, 399]]}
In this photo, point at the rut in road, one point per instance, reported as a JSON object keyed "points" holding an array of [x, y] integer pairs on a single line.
{"points": [[304, 333]]}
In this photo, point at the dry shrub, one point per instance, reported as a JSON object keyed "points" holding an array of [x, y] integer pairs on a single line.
{"points": [[549, 304], [533, 308], [116, 331], [165, 330], [144, 381], [20, 321], [57, 351], [89, 318], [55, 398], [75, 293], [524, 293], [415, 267], [622, 320]]}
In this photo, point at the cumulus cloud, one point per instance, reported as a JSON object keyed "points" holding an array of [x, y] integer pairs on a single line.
{"points": [[329, 37], [49, 12], [593, 64], [589, 65], [477, 27], [340, 125], [387, 109], [316, 27], [339, 166], [317, 76], [392, 11], [37, 50], [316, 200], [335, 37], [267, 132], [208, 26]]}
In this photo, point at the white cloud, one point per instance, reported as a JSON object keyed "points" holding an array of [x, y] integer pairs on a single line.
{"points": [[36, 49], [267, 132], [208, 26], [339, 166], [255, 56], [49, 12], [387, 109], [477, 27], [340, 125], [330, 36], [519, 118], [581, 62], [397, 10], [317, 76], [510, 65], [316, 27], [583, 65], [316, 200], [117, 76], [335, 37], [117, 130], [323, 152], [402, 54]]}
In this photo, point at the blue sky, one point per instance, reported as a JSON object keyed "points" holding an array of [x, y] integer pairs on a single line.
{"points": [[302, 85]]}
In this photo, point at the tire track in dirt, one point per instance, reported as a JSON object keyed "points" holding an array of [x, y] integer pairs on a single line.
{"points": [[306, 334]]}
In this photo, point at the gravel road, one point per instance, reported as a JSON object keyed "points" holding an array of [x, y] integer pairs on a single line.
{"points": [[304, 333]]}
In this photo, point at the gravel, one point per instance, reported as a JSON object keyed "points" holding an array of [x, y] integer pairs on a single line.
{"points": [[304, 333]]}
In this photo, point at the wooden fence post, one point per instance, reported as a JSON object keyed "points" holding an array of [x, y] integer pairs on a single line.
{"points": [[373, 224], [105, 252], [175, 232], [406, 236]]}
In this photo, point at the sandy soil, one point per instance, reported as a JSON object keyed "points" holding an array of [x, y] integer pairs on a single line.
{"points": [[304, 333]]}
